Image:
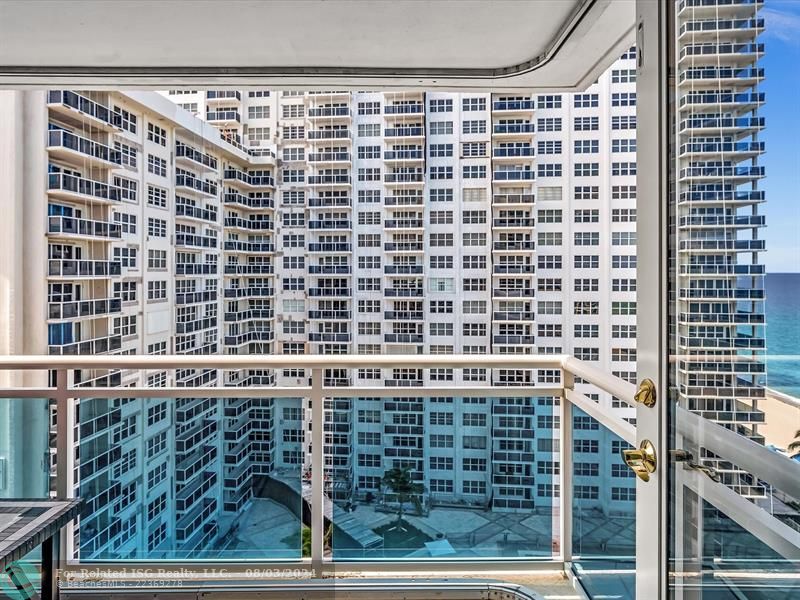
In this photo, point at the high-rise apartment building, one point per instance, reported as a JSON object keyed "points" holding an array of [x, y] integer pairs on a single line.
{"points": [[719, 300], [329, 223]]}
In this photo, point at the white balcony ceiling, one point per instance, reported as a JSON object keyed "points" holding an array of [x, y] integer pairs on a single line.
{"points": [[559, 44]]}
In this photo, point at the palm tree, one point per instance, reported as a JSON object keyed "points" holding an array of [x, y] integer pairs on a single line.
{"points": [[794, 447], [399, 481]]}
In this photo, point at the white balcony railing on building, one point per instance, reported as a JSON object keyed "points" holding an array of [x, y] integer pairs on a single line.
{"points": [[321, 371]]}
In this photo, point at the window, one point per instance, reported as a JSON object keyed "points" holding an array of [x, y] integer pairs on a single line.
{"points": [[156, 134], [623, 168], [623, 76], [156, 291], [549, 124], [441, 128], [156, 227], [623, 99], [125, 291], [156, 260], [587, 146], [128, 120], [369, 129], [548, 102], [585, 100], [441, 172], [369, 108], [127, 154], [156, 165], [125, 326], [549, 170], [126, 222], [470, 104], [156, 196], [587, 169], [586, 123], [440, 105], [623, 122], [126, 256], [478, 126], [365, 152], [549, 147], [260, 111], [474, 171], [623, 145]]}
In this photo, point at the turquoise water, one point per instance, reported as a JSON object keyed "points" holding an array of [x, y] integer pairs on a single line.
{"points": [[783, 332]]}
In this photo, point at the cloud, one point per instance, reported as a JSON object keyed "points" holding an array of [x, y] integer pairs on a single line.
{"points": [[783, 23]]}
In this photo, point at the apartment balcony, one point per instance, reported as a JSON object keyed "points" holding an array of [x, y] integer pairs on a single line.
{"points": [[733, 151], [250, 336], [710, 30], [513, 340], [99, 345], [189, 240], [183, 327], [224, 118], [720, 294], [514, 245], [513, 293], [238, 200], [81, 151], [404, 132], [403, 269], [78, 189], [193, 158], [514, 199], [409, 200], [191, 212], [249, 291], [330, 224], [516, 175], [719, 7], [252, 314], [411, 108], [723, 52], [722, 245], [717, 125], [403, 338], [190, 183], [726, 221], [404, 315], [404, 178], [513, 106], [722, 343], [328, 134], [729, 174], [82, 269], [82, 111], [333, 202], [403, 224], [249, 269], [403, 292], [329, 269], [191, 269], [332, 315], [714, 77], [248, 247], [195, 297], [249, 224], [78, 309], [513, 223], [512, 153], [720, 318], [329, 113], [524, 130], [729, 198], [514, 315], [223, 96], [729, 270], [87, 229], [330, 180], [329, 337], [330, 292], [404, 247], [330, 247], [329, 157], [245, 180], [740, 103], [401, 156], [503, 269]]}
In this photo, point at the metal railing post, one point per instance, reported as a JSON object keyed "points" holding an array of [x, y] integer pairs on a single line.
{"points": [[317, 506], [565, 468], [65, 457]]}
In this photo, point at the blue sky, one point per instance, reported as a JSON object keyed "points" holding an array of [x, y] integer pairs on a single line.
{"points": [[782, 134]]}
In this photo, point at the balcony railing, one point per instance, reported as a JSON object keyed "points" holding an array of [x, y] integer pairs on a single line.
{"points": [[551, 547], [89, 148]]}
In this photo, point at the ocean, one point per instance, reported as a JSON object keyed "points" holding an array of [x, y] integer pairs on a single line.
{"points": [[783, 332]]}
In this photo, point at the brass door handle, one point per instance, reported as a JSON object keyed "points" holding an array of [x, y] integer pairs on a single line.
{"points": [[646, 394], [641, 460]]}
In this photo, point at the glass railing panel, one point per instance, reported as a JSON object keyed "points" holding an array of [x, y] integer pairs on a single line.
{"points": [[441, 478], [604, 511], [203, 478]]}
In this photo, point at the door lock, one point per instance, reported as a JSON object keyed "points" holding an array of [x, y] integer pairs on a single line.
{"points": [[641, 460], [646, 394]]}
